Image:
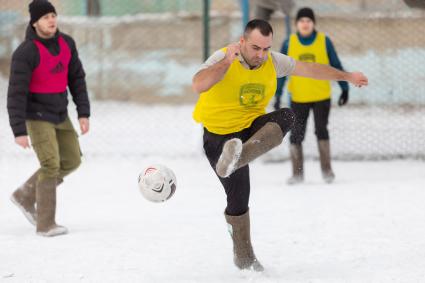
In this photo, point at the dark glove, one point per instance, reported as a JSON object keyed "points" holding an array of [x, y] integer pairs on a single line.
{"points": [[343, 99], [276, 105]]}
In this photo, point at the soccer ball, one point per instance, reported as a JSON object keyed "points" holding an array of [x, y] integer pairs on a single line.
{"points": [[157, 183]]}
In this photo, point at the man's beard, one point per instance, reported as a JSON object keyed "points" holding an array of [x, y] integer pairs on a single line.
{"points": [[250, 64], [47, 33]]}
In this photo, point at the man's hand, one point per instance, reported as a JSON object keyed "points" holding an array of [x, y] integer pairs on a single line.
{"points": [[343, 99], [357, 79], [22, 141], [84, 125], [233, 51]]}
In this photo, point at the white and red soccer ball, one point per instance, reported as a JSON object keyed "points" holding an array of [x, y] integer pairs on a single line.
{"points": [[157, 183]]}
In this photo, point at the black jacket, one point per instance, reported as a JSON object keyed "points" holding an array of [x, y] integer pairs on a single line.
{"points": [[23, 105]]}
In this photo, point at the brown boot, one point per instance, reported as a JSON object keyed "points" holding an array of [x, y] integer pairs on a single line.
{"points": [[24, 198], [325, 161], [46, 209], [297, 159], [236, 155], [243, 254]]}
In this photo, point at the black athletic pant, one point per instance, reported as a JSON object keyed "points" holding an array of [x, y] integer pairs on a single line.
{"points": [[321, 110], [237, 185]]}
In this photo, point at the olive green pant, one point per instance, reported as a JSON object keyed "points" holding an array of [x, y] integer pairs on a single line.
{"points": [[56, 146]]}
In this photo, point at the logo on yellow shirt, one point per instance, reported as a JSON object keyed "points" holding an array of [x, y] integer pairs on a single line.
{"points": [[251, 94], [307, 57]]}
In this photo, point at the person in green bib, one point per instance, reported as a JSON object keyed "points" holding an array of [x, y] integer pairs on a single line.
{"points": [[309, 45], [235, 85]]}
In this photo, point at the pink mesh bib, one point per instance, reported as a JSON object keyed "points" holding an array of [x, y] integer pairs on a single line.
{"points": [[51, 75]]}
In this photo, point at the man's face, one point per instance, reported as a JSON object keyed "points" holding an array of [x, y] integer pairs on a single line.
{"points": [[46, 26], [305, 26], [255, 47]]}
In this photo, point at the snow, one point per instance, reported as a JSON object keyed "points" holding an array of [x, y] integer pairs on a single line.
{"points": [[366, 227]]}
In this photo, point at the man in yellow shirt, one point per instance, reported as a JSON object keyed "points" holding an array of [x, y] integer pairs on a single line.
{"points": [[236, 84]]}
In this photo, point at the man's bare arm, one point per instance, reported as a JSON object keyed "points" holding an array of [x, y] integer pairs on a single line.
{"points": [[325, 72], [205, 79]]}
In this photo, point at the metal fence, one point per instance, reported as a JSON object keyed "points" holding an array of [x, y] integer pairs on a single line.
{"points": [[140, 56]]}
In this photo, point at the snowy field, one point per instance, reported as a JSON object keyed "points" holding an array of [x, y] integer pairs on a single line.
{"points": [[369, 226], [366, 227]]}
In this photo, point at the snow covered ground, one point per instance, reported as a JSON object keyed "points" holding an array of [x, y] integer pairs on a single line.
{"points": [[366, 227]]}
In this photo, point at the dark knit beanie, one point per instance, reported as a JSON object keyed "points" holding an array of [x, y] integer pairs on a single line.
{"points": [[307, 13], [39, 8]]}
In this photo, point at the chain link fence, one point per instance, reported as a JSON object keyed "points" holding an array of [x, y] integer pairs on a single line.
{"points": [[140, 56]]}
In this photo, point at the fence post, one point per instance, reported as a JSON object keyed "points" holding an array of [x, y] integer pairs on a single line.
{"points": [[288, 25], [93, 8], [245, 12], [206, 21]]}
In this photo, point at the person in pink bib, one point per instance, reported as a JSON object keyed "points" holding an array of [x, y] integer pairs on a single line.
{"points": [[44, 67]]}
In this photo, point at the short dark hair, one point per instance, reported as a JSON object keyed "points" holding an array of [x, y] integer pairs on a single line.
{"points": [[263, 26]]}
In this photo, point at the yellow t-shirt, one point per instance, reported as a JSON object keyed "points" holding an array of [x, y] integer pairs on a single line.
{"points": [[302, 89], [233, 103]]}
